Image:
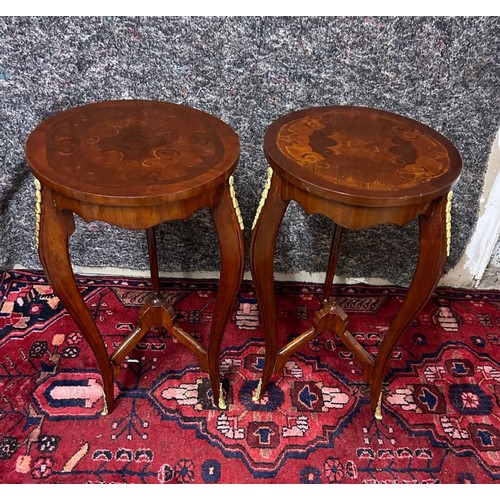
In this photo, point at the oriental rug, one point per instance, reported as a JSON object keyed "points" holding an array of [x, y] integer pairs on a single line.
{"points": [[441, 418]]}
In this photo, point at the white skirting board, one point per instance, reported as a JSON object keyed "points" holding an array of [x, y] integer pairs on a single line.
{"points": [[485, 236]]}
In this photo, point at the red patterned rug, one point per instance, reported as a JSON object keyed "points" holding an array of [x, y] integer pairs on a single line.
{"points": [[441, 407]]}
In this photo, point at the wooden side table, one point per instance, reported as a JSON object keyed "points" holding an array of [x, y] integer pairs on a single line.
{"points": [[359, 167], [136, 164]]}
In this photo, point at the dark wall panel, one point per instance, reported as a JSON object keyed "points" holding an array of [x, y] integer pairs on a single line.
{"points": [[248, 71]]}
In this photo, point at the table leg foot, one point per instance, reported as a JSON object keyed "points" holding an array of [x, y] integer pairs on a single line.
{"points": [[222, 402], [104, 405], [258, 391], [378, 410]]}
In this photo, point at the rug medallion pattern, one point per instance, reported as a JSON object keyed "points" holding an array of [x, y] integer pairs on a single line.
{"points": [[441, 398]]}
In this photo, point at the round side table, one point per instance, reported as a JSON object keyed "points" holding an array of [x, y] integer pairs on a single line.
{"points": [[359, 167], [136, 164]]}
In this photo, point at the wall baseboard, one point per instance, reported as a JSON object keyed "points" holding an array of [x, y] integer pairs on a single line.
{"points": [[482, 243]]}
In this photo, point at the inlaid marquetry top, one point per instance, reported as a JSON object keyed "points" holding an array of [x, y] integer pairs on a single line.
{"points": [[133, 150], [362, 155]]}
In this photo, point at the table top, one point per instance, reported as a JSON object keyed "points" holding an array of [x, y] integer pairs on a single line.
{"points": [[132, 152], [362, 156]]}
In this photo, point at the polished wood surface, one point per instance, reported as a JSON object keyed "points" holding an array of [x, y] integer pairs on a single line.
{"points": [[136, 164], [361, 155], [132, 152], [359, 167]]}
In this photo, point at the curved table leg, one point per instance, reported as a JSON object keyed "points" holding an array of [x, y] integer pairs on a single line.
{"points": [[232, 256], [262, 265], [431, 260], [55, 229]]}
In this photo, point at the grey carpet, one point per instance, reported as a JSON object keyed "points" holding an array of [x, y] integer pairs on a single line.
{"points": [[249, 71]]}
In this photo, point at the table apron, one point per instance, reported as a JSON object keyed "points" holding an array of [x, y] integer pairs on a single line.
{"points": [[354, 216], [138, 217]]}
